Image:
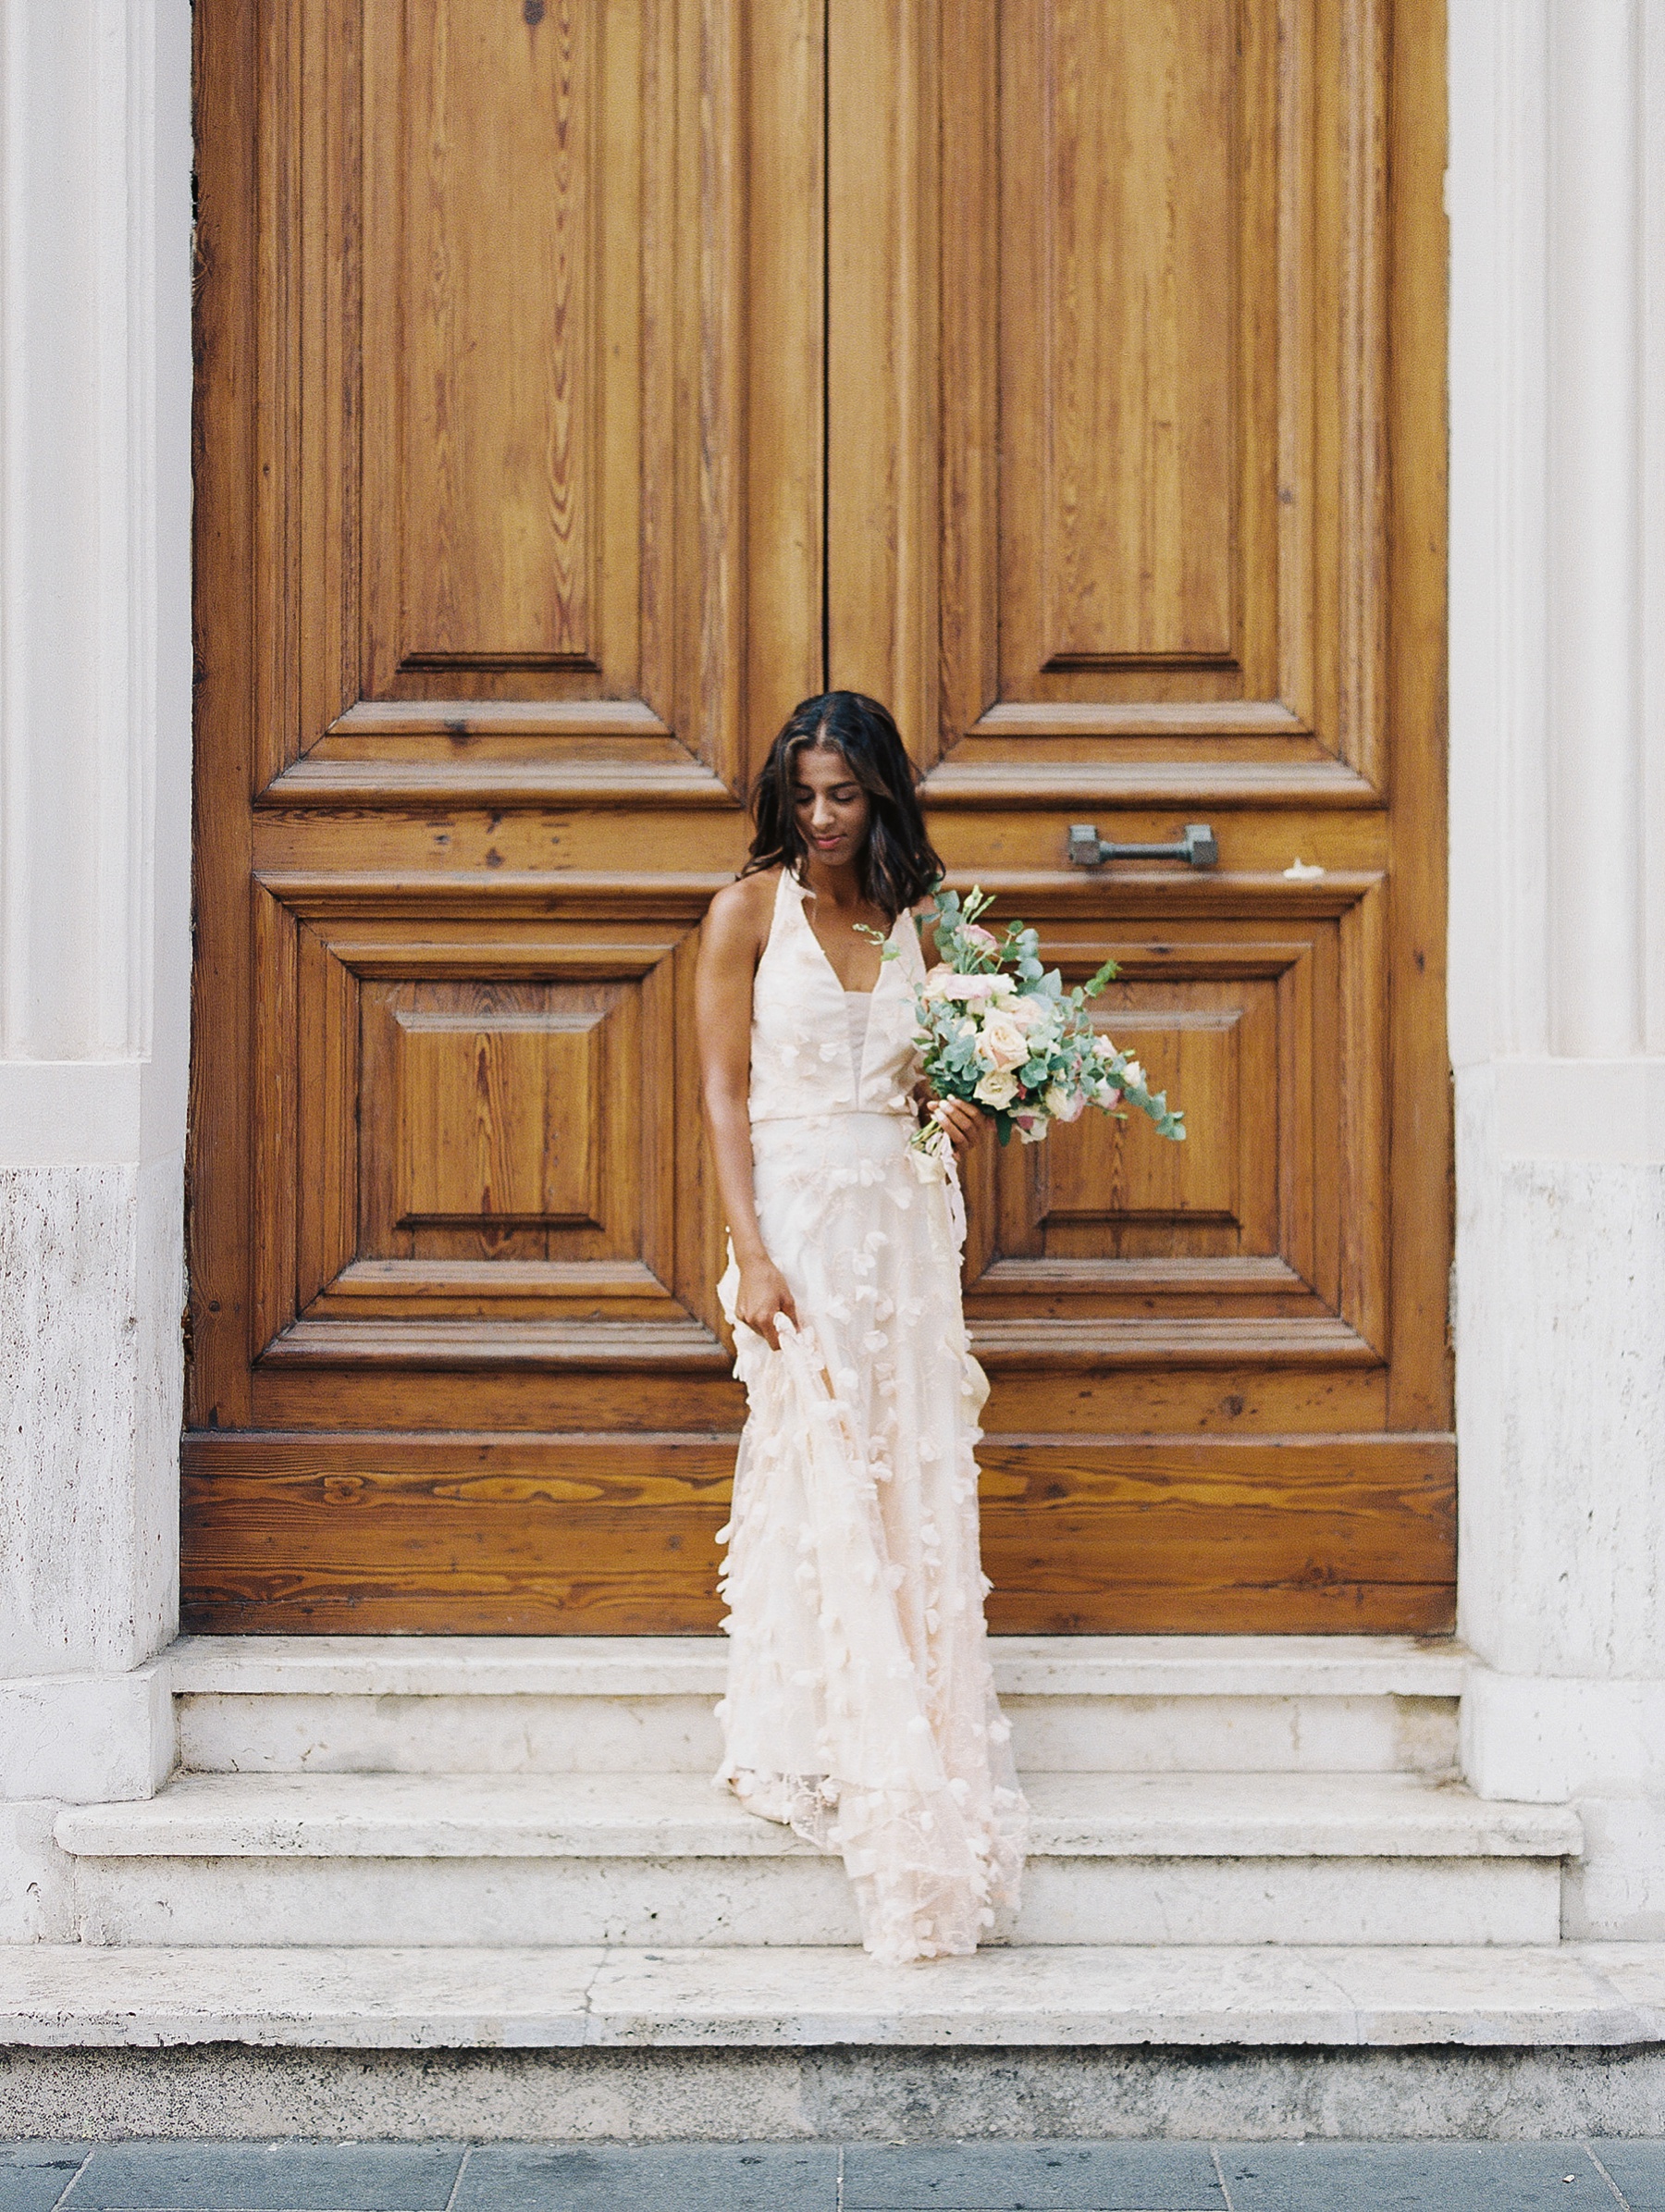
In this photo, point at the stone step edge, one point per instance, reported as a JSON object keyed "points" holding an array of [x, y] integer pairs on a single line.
{"points": [[73, 1997], [1268, 1666], [388, 1817]]}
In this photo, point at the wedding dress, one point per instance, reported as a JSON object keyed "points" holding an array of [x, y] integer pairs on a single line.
{"points": [[860, 1706]]}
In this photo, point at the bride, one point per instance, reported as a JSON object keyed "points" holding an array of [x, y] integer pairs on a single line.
{"points": [[860, 1706]]}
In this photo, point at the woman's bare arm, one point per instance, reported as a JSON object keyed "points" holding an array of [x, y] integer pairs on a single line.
{"points": [[730, 945], [967, 1125]]}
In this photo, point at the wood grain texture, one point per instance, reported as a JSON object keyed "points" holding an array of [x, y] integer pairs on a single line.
{"points": [[1306, 1535], [1266, 1218], [226, 104], [498, 1115], [780, 66], [491, 1137], [1135, 360], [602, 1535], [508, 410], [494, 509], [481, 1535], [1182, 335], [881, 428], [1422, 1183]]}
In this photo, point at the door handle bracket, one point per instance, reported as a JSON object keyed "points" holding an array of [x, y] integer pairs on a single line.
{"points": [[1088, 849]]}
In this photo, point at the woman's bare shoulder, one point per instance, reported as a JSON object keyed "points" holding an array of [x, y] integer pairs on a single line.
{"points": [[742, 910]]}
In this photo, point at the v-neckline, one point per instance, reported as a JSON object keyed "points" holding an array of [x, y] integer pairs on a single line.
{"points": [[801, 894]]}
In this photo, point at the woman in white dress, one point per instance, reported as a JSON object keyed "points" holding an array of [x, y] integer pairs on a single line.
{"points": [[860, 1706]]}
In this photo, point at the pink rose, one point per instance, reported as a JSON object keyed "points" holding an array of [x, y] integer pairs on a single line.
{"points": [[969, 988], [974, 933]]}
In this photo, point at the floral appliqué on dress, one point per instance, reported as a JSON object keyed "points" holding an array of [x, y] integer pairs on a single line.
{"points": [[860, 1706]]}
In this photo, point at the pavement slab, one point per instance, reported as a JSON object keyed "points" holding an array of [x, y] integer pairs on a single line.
{"points": [[1317, 2175], [756, 2177], [1414, 2177], [1041, 2177], [1638, 2172], [33, 2176], [266, 2177]]}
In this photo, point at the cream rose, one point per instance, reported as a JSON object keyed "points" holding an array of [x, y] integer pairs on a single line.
{"points": [[1001, 1044], [998, 1088]]}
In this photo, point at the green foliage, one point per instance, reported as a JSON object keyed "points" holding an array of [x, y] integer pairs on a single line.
{"points": [[1067, 1064]]}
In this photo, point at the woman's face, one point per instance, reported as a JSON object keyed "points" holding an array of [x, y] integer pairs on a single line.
{"points": [[831, 806]]}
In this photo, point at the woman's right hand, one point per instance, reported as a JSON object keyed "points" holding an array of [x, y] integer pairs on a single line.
{"points": [[761, 1296]]}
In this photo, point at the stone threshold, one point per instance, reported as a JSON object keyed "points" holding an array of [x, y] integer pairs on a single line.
{"points": [[78, 1997], [678, 1816], [1024, 1666]]}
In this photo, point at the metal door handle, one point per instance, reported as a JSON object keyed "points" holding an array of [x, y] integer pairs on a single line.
{"points": [[1088, 849]]}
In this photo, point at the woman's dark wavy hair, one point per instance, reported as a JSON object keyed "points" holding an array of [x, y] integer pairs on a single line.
{"points": [[898, 864]]}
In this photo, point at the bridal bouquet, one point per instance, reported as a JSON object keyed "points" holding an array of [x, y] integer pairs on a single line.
{"points": [[996, 1029]]}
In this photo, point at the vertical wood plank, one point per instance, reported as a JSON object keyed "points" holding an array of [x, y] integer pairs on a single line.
{"points": [[275, 1191], [276, 366], [883, 349], [1362, 276], [1421, 1193], [968, 373], [783, 77], [224, 455]]}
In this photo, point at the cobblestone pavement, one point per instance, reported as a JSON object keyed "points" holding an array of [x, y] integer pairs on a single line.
{"points": [[198, 2175]]}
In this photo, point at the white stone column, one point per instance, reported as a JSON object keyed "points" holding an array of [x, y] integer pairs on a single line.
{"points": [[94, 897], [1557, 200]]}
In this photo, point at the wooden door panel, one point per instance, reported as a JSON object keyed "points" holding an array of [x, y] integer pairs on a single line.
{"points": [[1165, 521], [507, 1119], [1139, 294], [509, 542], [1131, 395], [509, 503], [1184, 546], [514, 1534], [491, 477], [1091, 1193], [536, 1534], [1265, 991], [497, 1103], [581, 385], [1345, 1535]]}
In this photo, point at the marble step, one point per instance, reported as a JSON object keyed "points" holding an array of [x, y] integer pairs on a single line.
{"points": [[316, 1997], [548, 1705], [631, 1858]]}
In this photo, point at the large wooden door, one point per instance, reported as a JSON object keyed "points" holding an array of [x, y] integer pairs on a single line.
{"points": [[583, 382]]}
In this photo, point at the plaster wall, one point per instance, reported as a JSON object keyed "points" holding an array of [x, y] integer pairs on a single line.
{"points": [[94, 879], [1556, 1000]]}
